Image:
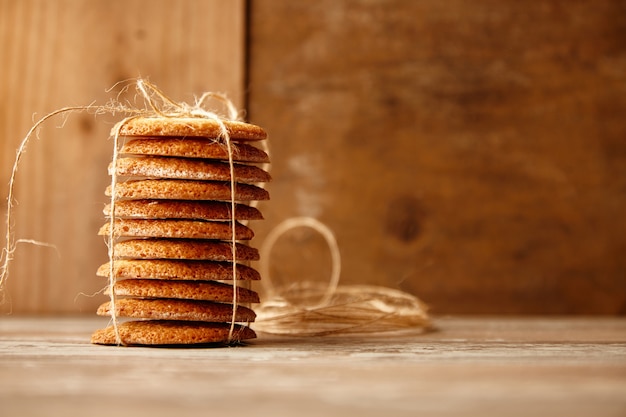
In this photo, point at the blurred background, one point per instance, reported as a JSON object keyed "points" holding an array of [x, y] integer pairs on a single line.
{"points": [[470, 153]]}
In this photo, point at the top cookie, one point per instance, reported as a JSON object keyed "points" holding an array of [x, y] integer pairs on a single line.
{"points": [[189, 126]]}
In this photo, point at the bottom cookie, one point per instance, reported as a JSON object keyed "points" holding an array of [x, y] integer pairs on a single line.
{"points": [[171, 333]]}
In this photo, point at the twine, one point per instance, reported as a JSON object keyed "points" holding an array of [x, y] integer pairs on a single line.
{"points": [[10, 243], [293, 223], [157, 105], [313, 309]]}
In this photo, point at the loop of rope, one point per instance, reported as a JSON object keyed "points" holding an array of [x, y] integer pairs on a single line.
{"points": [[331, 241], [311, 309]]}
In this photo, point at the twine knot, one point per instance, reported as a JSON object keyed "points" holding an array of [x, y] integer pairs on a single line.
{"points": [[163, 106]]}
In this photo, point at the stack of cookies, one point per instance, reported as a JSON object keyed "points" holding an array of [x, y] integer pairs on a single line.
{"points": [[174, 266]]}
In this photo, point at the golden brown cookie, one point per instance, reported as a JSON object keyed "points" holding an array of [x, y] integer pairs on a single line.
{"points": [[177, 209], [188, 169], [177, 269], [189, 127], [190, 229], [184, 249], [189, 290], [193, 148], [187, 190], [163, 333], [173, 309]]}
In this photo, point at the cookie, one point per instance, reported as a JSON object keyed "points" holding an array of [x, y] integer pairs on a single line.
{"points": [[173, 309], [188, 169], [166, 333], [184, 249], [186, 190], [188, 290], [191, 229], [177, 269], [189, 127], [193, 148], [180, 209]]}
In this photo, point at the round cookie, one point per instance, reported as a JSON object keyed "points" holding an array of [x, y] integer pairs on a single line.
{"points": [[164, 333], [190, 229], [188, 126], [188, 169], [173, 309], [187, 190], [184, 249], [177, 269], [180, 209], [188, 290], [193, 148]]}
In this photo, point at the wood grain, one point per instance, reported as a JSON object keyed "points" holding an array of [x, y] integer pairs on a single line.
{"points": [[68, 53], [472, 154], [486, 366]]}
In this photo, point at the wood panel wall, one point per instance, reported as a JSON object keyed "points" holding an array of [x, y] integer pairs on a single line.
{"points": [[471, 153], [68, 53]]}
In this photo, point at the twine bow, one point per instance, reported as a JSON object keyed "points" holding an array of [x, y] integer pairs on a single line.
{"points": [[166, 107]]}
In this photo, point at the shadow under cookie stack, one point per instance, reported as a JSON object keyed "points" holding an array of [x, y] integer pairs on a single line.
{"points": [[174, 268]]}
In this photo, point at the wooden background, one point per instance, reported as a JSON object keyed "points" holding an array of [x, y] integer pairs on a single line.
{"points": [[471, 154]]}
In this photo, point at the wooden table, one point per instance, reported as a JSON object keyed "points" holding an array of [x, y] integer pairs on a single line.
{"points": [[471, 366]]}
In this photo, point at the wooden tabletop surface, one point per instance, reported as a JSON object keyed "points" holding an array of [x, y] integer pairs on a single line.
{"points": [[470, 366]]}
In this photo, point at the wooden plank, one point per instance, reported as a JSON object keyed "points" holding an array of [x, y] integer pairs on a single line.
{"points": [[488, 366], [68, 53], [471, 153]]}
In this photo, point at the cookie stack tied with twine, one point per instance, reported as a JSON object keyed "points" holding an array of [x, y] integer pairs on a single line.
{"points": [[180, 194]]}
